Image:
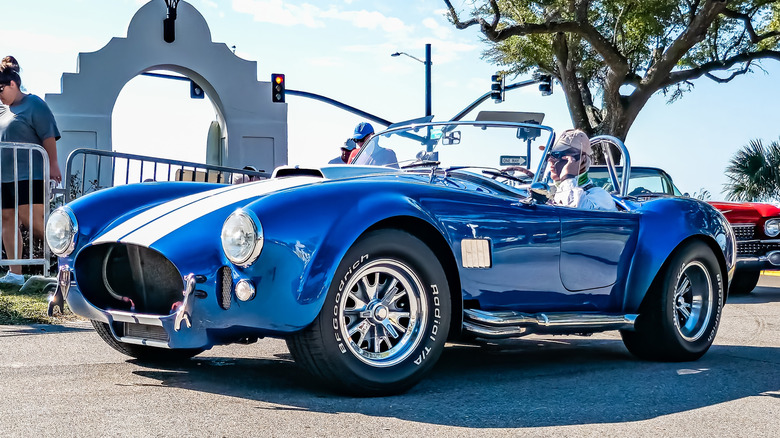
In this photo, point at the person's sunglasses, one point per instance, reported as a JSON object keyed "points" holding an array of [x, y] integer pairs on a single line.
{"points": [[2, 87], [558, 155]]}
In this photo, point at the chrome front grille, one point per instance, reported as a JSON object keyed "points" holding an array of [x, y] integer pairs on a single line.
{"points": [[142, 331], [225, 285], [756, 247], [744, 231], [748, 248]]}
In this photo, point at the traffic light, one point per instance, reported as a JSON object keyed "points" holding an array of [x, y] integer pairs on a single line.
{"points": [[545, 85], [497, 88], [277, 88]]}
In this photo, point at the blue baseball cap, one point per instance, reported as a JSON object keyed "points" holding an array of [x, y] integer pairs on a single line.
{"points": [[362, 130]]}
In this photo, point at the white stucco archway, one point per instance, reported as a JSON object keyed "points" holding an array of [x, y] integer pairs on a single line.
{"points": [[254, 130]]}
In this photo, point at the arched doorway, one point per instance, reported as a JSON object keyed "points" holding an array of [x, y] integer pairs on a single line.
{"points": [[254, 130]]}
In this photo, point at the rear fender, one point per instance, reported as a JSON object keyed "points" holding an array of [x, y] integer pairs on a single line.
{"points": [[666, 224]]}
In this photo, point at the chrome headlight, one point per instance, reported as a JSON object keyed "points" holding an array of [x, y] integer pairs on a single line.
{"points": [[242, 238], [772, 227], [61, 230]]}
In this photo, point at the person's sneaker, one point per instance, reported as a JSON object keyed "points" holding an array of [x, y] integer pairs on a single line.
{"points": [[12, 279]]}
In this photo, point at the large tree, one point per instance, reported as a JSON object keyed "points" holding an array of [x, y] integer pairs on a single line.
{"points": [[611, 56]]}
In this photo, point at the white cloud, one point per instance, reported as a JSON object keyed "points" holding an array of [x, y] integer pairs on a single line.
{"points": [[369, 20], [441, 32], [277, 12]]}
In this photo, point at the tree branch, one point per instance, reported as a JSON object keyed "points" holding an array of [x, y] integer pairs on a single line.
{"points": [[746, 19], [609, 52], [707, 68]]}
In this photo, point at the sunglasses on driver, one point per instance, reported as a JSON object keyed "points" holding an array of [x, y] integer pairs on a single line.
{"points": [[558, 155]]}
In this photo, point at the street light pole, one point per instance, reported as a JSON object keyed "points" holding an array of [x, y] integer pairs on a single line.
{"points": [[428, 64], [428, 110]]}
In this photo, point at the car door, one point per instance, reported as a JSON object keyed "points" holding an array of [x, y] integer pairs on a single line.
{"points": [[596, 250]]}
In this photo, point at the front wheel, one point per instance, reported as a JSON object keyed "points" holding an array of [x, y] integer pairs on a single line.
{"points": [[384, 321], [680, 315], [744, 282]]}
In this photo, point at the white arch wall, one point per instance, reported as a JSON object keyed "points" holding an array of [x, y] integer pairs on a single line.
{"points": [[254, 130]]}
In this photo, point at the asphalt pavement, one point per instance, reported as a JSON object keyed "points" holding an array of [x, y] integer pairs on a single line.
{"points": [[64, 381]]}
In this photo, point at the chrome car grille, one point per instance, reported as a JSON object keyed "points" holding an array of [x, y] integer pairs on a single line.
{"points": [[142, 331], [756, 248], [225, 282], [744, 231]]}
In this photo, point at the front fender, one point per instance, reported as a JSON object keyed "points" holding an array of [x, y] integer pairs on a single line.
{"points": [[307, 235]]}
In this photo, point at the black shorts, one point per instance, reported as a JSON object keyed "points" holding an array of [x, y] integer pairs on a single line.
{"points": [[9, 194]]}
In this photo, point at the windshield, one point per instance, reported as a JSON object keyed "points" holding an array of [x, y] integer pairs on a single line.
{"points": [[642, 181], [495, 145]]}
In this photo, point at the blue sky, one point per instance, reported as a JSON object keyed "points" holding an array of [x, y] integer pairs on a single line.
{"points": [[341, 49]]}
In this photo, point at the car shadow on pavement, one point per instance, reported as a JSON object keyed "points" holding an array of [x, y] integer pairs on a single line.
{"points": [[529, 382]]}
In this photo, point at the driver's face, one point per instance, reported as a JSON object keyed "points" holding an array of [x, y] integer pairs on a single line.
{"points": [[558, 162]]}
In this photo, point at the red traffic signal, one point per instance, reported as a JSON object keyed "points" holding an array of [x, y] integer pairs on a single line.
{"points": [[277, 88]]}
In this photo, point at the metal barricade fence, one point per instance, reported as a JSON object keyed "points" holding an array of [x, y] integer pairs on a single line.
{"points": [[89, 170], [14, 256]]}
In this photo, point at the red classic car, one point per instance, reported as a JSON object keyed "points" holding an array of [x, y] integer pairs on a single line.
{"points": [[757, 229], [756, 225]]}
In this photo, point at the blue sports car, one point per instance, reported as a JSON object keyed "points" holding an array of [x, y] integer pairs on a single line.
{"points": [[368, 269]]}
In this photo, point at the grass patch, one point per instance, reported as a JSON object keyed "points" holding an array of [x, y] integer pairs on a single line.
{"points": [[29, 307]]}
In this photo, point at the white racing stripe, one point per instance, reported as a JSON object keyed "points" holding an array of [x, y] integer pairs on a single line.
{"points": [[152, 225]]}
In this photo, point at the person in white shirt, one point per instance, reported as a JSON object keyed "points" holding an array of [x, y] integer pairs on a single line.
{"points": [[568, 161]]}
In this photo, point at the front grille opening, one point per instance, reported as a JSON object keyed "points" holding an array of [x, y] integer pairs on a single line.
{"points": [[140, 331], [117, 276], [743, 231], [225, 282]]}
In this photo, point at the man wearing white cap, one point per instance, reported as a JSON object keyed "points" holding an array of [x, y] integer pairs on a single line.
{"points": [[569, 161]]}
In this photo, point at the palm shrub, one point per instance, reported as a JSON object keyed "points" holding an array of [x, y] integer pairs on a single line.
{"points": [[754, 173]]}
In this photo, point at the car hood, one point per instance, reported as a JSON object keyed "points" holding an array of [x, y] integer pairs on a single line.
{"points": [[742, 212]]}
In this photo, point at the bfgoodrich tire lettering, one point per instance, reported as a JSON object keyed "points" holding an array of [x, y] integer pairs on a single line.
{"points": [[385, 319], [681, 313]]}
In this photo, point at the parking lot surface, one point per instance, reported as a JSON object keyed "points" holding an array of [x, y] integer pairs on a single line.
{"points": [[64, 381]]}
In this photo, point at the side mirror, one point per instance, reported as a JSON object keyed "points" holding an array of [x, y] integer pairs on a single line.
{"points": [[541, 192]]}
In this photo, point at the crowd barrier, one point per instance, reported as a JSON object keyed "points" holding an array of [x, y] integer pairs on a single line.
{"points": [[32, 245], [89, 170]]}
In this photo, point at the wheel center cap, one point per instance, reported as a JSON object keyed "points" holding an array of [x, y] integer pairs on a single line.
{"points": [[380, 312]]}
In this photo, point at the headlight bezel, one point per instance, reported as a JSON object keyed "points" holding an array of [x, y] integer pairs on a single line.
{"points": [[249, 219], [74, 230], [775, 223]]}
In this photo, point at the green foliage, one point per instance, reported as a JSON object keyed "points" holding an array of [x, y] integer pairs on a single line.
{"points": [[702, 195], [754, 173], [28, 306], [614, 55]]}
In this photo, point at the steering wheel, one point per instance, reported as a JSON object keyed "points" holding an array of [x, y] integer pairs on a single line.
{"points": [[640, 191], [508, 173]]}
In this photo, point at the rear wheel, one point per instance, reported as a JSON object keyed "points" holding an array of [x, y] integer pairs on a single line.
{"points": [[680, 315], [744, 282], [384, 321], [143, 352]]}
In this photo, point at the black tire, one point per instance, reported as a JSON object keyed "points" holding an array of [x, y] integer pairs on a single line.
{"points": [[418, 312], [680, 315], [143, 352], [744, 282]]}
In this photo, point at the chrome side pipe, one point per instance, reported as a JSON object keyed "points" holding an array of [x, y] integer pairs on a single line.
{"points": [[505, 324]]}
